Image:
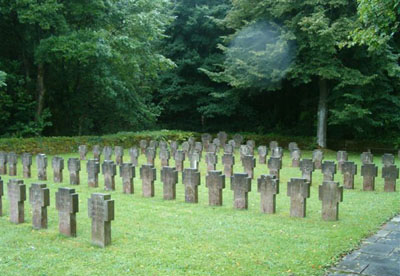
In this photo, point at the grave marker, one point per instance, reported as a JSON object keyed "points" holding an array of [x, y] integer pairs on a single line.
{"points": [[67, 204], [241, 186], [222, 136], [268, 187], [12, 159], [331, 195], [1, 195], [153, 144], [249, 163], [349, 169], [191, 181], [238, 139], [134, 155], [143, 146], [57, 164], [107, 152], [212, 148], [109, 170], [244, 150], [93, 170], [369, 172], [148, 176], [387, 159], [307, 168], [127, 173], [26, 164], [228, 149], [296, 156], [82, 152], [274, 166], [39, 198], [215, 182], [217, 144], [211, 161], [251, 144], [367, 158], [228, 160], [96, 152], [174, 147], [169, 178], [262, 154], [41, 163], [3, 162], [186, 147], [164, 157], [273, 145], [194, 159], [150, 155], [16, 197], [74, 167], [179, 158], [328, 169], [341, 157], [119, 155], [101, 211], [277, 152], [298, 189], [390, 174], [317, 157], [198, 146], [292, 146]]}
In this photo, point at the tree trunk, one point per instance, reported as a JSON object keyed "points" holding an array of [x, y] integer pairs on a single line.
{"points": [[322, 113], [41, 91]]}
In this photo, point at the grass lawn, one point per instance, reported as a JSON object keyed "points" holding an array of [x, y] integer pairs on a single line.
{"points": [[151, 236]]}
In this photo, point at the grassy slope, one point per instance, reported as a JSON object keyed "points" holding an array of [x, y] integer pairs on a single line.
{"points": [[157, 237]]}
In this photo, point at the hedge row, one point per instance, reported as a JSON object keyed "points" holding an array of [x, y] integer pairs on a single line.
{"points": [[56, 145]]}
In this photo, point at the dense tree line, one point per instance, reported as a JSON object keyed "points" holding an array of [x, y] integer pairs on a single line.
{"points": [[326, 68]]}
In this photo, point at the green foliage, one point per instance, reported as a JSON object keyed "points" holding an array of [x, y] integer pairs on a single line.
{"points": [[2, 78]]}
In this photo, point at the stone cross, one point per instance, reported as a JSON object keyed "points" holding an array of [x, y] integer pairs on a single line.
{"points": [[274, 166], [232, 143], [307, 168], [101, 211], [317, 157], [163, 145], [107, 152], [74, 167], [153, 144], [249, 163], [277, 152], [93, 170], [292, 146], [206, 139], [164, 157], [217, 144], [390, 174], [12, 159], [367, 158], [211, 160], [228, 160], [41, 163], [169, 178], [298, 189], [67, 204], [215, 182], [96, 152], [330, 194], [57, 164], [26, 164], [174, 147], [228, 149], [194, 159], [39, 198], [134, 155], [268, 187], [148, 176], [179, 158], [186, 147], [150, 155], [109, 170], [191, 180], [143, 146], [328, 169], [3, 162], [1, 195], [273, 145], [251, 144], [369, 172], [262, 154], [387, 159], [238, 139], [244, 150], [82, 152], [341, 157], [127, 173], [198, 146], [212, 148], [241, 186], [349, 169], [119, 155], [222, 136], [16, 197], [296, 156]]}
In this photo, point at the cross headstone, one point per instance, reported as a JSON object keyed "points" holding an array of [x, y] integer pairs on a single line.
{"points": [[296, 156], [169, 178], [241, 186], [277, 152], [39, 198], [244, 150], [191, 141], [307, 168], [331, 195], [26, 164], [134, 155], [390, 174], [274, 166], [163, 145], [251, 144], [369, 172], [174, 147], [150, 156], [153, 144], [328, 169], [119, 155], [179, 158], [292, 146], [191, 180], [148, 176], [83, 149], [233, 144], [206, 140], [217, 144], [222, 136], [57, 164], [16, 197], [41, 163], [211, 161], [317, 157], [186, 147], [109, 170], [238, 139], [198, 146], [67, 204], [93, 170], [349, 169], [107, 152], [262, 154], [96, 152], [12, 159], [341, 157], [212, 148], [249, 163], [74, 167], [228, 149], [268, 187], [194, 160], [215, 182], [3, 162], [1, 195], [127, 173], [228, 160], [298, 189], [164, 157], [101, 211], [367, 158], [143, 146], [387, 159], [273, 145]]}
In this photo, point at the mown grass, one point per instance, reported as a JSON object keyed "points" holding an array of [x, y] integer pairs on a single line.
{"points": [[151, 236]]}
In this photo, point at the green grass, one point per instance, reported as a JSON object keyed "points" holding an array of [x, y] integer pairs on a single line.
{"points": [[151, 236]]}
